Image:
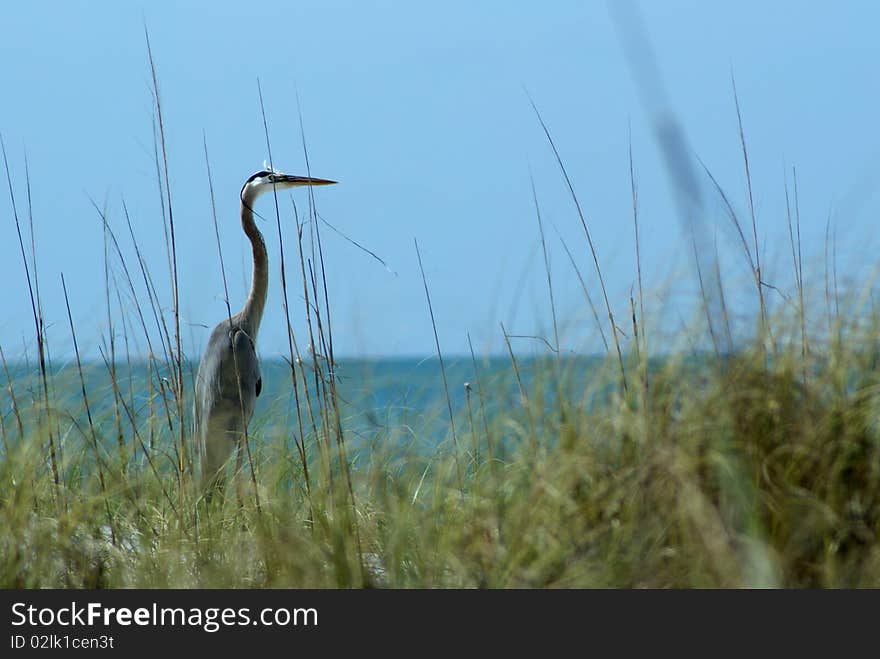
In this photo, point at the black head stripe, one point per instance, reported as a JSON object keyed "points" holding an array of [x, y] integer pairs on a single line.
{"points": [[260, 174]]}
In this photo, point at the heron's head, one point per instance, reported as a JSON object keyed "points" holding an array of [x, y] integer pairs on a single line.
{"points": [[266, 180]]}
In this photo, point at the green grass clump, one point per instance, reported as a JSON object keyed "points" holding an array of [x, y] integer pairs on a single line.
{"points": [[753, 470]]}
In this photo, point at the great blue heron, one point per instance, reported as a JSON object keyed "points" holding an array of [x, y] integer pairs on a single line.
{"points": [[228, 380]]}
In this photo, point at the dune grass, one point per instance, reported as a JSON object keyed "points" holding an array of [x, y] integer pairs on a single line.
{"points": [[757, 469], [723, 474]]}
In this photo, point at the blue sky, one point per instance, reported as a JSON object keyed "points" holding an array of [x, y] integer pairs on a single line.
{"points": [[420, 112]]}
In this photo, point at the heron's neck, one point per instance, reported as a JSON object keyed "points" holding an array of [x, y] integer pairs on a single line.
{"points": [[252, 313]]}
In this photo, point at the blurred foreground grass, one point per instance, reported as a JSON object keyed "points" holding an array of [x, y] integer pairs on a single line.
{"points": [[761, 469]]}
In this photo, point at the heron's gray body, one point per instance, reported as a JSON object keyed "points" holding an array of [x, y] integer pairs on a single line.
{"points": [[227, 385], [228, 380]]}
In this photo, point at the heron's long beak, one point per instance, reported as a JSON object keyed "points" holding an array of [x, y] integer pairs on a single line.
{"points": [[288, 181]]}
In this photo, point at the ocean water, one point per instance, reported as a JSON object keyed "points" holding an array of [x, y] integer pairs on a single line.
{"points": [[397, 401]]}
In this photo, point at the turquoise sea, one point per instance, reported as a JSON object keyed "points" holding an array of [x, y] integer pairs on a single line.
{"points": [[399, 402]]}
